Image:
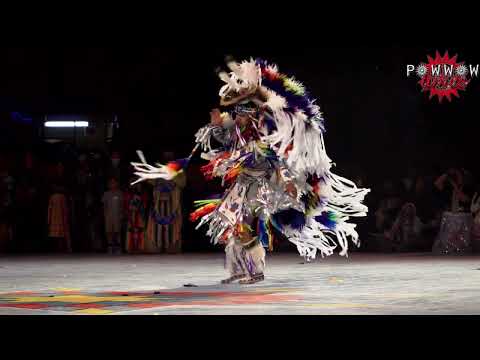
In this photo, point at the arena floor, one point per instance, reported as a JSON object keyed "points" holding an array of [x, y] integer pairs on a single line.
{"points": [[129, 285]]}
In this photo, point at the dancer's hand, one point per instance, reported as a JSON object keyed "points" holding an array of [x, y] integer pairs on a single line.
{"points": [[144, 171], [291, 189], [216, 117]]}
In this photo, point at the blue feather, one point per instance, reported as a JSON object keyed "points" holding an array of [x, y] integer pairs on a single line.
{"points": [[263, 233], [182, 162], [295, 102], [327, 219], [276, 225], [290, 217]]}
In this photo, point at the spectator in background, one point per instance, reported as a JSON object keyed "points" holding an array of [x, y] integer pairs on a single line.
{"points": [[388, 207], [420, 194], [83, 171], [405, 234], [456, 224], [113, 214], [136, 206], [385, 215], [114, 170], [177, 208], [24, 215], [80, 206], [34, 203], [164, 231], [94, 218], [7, 183], [454, 190], [58, 220], [409, 181], [59, 176], [4, 237], [97, 168], [4, 224], [475, 210]]}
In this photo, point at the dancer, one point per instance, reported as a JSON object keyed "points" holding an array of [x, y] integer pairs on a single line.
{"points": [[273, 163]]}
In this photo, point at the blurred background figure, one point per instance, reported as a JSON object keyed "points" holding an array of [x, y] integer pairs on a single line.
{"points": [[388, 207], [58, 220], [7, 185], [93, 220], [454, 236], [136, 210], [81, 241], [113, 214], [406, 232], [454, 188], [114, 169], [409, 180], [164, 232], [475, 210], [161, 217], [177, 201], [24, 214], [5, 235]]}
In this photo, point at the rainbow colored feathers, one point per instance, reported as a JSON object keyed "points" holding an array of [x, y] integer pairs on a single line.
{"points": [[205, 207]]}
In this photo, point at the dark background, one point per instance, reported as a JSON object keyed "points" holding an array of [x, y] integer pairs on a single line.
{"points": [[376, 116]]}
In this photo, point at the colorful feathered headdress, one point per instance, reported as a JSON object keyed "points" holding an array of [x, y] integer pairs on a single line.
{"points": [[261, 82], [294, 123]]}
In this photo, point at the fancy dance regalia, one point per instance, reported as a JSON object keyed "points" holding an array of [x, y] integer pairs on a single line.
{"points": [[272, 160]]}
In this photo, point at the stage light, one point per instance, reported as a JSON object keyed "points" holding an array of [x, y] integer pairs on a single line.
{"points": [[66, 124]]}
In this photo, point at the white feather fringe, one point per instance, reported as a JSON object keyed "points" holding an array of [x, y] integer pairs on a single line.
{"points": [[243, 76], [144, 171], [308, 156]]}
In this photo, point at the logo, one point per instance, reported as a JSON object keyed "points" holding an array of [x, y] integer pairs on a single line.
{"points": [[443, 76]]}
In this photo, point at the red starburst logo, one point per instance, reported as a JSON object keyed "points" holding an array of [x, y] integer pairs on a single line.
{"points": [[443, 76]]}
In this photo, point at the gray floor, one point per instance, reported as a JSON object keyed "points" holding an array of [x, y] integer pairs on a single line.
{"points": [[361, 284]]}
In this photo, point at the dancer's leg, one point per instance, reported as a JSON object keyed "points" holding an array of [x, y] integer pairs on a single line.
{"points": [[235, 261], [255, 257]]}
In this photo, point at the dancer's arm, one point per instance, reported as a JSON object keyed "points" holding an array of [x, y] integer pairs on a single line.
{"points": [[221, 123], [146, 172]]}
